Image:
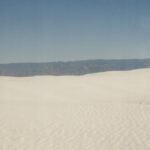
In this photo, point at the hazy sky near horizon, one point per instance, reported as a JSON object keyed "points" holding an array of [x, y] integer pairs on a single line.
{"points": [[53, 30]]}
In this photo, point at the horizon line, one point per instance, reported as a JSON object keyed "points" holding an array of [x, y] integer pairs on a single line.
{"points": [[78, 60]]}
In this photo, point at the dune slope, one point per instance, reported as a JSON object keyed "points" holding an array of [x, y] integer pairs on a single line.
{"points": [[103, 111]]}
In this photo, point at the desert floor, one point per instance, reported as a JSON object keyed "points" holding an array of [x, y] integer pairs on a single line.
{"points": [[103, 111]]}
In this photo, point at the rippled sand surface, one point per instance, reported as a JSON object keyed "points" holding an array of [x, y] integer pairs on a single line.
{"points": [[103, 111]]}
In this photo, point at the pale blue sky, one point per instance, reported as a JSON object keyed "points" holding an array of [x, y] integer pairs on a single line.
{"points": [[62, 30]]}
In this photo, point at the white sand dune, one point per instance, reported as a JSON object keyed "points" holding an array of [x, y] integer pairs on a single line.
{"points": [[103, 111]]}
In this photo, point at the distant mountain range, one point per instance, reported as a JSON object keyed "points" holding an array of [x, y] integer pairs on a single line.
{"points": [[72, 67]]}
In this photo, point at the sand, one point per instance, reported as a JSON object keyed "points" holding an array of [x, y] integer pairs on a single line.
{"points": [[102, 111]]}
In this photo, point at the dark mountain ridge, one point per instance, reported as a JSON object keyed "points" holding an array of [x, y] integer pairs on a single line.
{"points": [[72, 67]]}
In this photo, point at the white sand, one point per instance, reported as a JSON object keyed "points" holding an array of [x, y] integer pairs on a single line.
{"points": [[104, 111]]}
